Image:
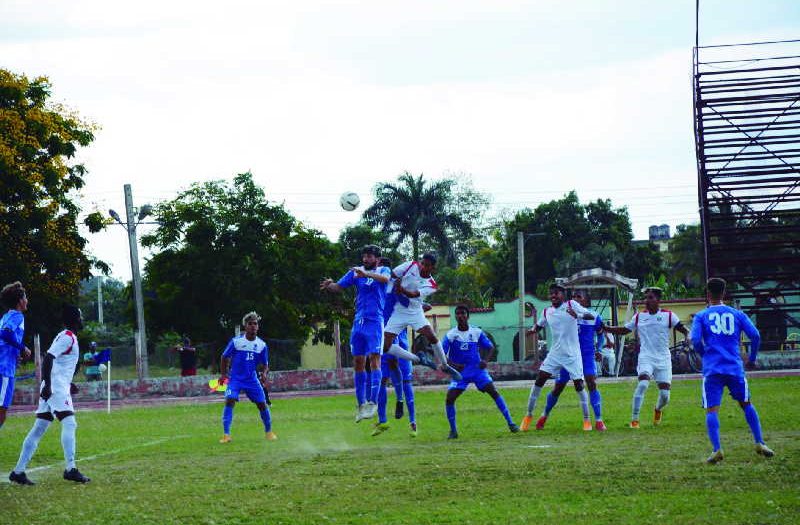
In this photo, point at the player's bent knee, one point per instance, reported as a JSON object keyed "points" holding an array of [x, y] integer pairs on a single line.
{"points": [[578, 385], [713, 409], [230, 402], [47, 416], [664, 386], [61, 416], [644, 377]]}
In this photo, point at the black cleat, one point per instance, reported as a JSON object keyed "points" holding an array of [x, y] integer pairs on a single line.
{"points": [[75, 475], [513, 427], [453, 435], [20, 478], [398, 410]]}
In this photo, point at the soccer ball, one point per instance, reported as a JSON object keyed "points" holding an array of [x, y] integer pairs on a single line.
{"points": [[349, 201], [102, 367]]}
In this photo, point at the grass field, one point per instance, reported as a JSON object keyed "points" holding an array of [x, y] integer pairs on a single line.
{"points": [[164, 465]]}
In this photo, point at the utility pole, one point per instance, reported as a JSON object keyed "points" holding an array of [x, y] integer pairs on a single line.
{"points": [[521, 283], [100, 299]]}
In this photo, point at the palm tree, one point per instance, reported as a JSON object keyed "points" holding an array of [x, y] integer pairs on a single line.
{"points": [[415, 209]]}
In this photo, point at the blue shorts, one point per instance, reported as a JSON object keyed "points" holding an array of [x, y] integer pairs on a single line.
{"points": [[6, 391], [589, 368], [366, 337], [253, 389], [715, 383], [472, 374]]}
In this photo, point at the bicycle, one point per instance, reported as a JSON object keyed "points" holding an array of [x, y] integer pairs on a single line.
{"points": [[685, 358]]}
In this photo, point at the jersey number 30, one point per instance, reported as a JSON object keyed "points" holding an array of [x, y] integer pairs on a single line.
{"points": [[721, 324]]}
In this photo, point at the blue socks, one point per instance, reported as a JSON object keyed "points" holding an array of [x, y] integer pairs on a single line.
{"points": [[360, 379], [751, 416], [550, 403], [374, 385], [712, 425], [408, 390], [397, 383], [382, 404], [450, 410], [501, 405], [227, 418], [266, 418], [595, 400]]}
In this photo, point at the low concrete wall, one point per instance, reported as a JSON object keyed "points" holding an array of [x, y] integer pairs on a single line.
{"points": [[280, 381]]}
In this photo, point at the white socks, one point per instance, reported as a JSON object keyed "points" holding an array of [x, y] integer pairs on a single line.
{"points": [[534, 396], [583, 397], [68, 426], [31, 443], [397, 351], [638, 397], [663, 399], [438, 351]]}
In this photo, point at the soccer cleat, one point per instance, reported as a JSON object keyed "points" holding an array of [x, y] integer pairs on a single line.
{"points": [[453, 435], [360, 412], [764, 450], [226, 438], [513, 428], [271, 436], [75, 475], [526, 423], [455, 374], [600, 426], [587, 425], [398, 410], [657, 417], [425, 360], [715, 458], [413, 430], [21, 478], [634, 424], [370, 410], [380, 428], [540, 422]]}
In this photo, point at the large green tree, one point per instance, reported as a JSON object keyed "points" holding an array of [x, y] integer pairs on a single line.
{"points": [[225, 250], [685, 259], [40, 244]]}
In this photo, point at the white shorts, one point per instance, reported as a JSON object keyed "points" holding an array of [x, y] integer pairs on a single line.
{"points": [[399, 320], [58, 402], [659, 371], [553, 364]]}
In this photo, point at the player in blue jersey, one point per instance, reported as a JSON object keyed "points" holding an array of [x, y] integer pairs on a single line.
{"points": [[12, 329], [716, 333], [400, 371], [463, 345], [366, 337], [244, 366], [589, 333]]}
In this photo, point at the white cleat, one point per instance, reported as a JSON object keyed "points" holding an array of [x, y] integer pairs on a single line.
{"points": [[370, 410], [360, 412]]}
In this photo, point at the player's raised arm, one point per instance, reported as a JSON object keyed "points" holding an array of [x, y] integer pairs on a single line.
{"points": [[577, 311], [381, 274], [629, 327]]}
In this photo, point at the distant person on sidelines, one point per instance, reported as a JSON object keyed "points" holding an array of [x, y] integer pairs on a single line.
{"points": [[12, 330], [187, 354], [91, 369], [716, 333], [245, 359]]}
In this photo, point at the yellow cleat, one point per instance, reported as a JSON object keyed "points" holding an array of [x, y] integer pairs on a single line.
{"points": [[412, 430], [271, 436], [526, 423], [587, 425], [380, 428], [634, 424], [763, 450], [715, 458], [226, 438], [657, 417]]}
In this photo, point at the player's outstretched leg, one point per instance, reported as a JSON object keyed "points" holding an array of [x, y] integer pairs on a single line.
{"points": [[638, 398], [501, 406], [382, 425], [227, 420], [68, 427], [29, 447]]}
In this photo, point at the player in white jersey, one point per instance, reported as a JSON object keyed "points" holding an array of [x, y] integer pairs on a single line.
{"points": [[59, 366], [653, 327], [413, 282], [564, 351]]}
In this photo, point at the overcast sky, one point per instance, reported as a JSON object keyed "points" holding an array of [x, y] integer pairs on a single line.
{"points": [[532, 99]]}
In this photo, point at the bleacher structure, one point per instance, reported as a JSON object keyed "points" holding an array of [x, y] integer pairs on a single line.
{"points": [[747, 136]]}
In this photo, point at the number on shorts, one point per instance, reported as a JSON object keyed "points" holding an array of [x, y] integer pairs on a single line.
{"points": [[722, 324]]}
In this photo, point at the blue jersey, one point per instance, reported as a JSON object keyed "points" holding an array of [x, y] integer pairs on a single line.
{"points": [[716, 333], [588, 331], [13, 324], [463, 348], [370, 294], [245, 356]]}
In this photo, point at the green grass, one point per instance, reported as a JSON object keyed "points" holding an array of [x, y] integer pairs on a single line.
{"points": [[327, 469]]}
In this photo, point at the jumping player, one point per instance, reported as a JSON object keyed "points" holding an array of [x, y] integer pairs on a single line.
{"points": [[715, 335], [588, 332], [60, 364], [370, 281], [564, 353], [653, 326], [12, 330], [246, 358], [462, 345]]}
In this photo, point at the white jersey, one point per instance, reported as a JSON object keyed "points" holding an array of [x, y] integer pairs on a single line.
{"points": [[411, 280], [66, 352], [563, 328], [653, 331]]}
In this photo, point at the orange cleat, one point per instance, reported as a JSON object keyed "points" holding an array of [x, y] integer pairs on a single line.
{"points": [[587, 425], [226, 438], [526, 423], [657, 417], [600, 426], [271, 436], [634, 424], [540, 422]]}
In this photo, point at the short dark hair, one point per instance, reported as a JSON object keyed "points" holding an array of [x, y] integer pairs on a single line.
{"points": [[429, 257], [656, 291], [556, 286], [11, 294], [716, 287], [463, 308], [371, 249], [70, 314]]}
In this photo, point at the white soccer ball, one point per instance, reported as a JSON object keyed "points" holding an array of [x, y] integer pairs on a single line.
{"points": [[349, 201], [102, 367]]}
